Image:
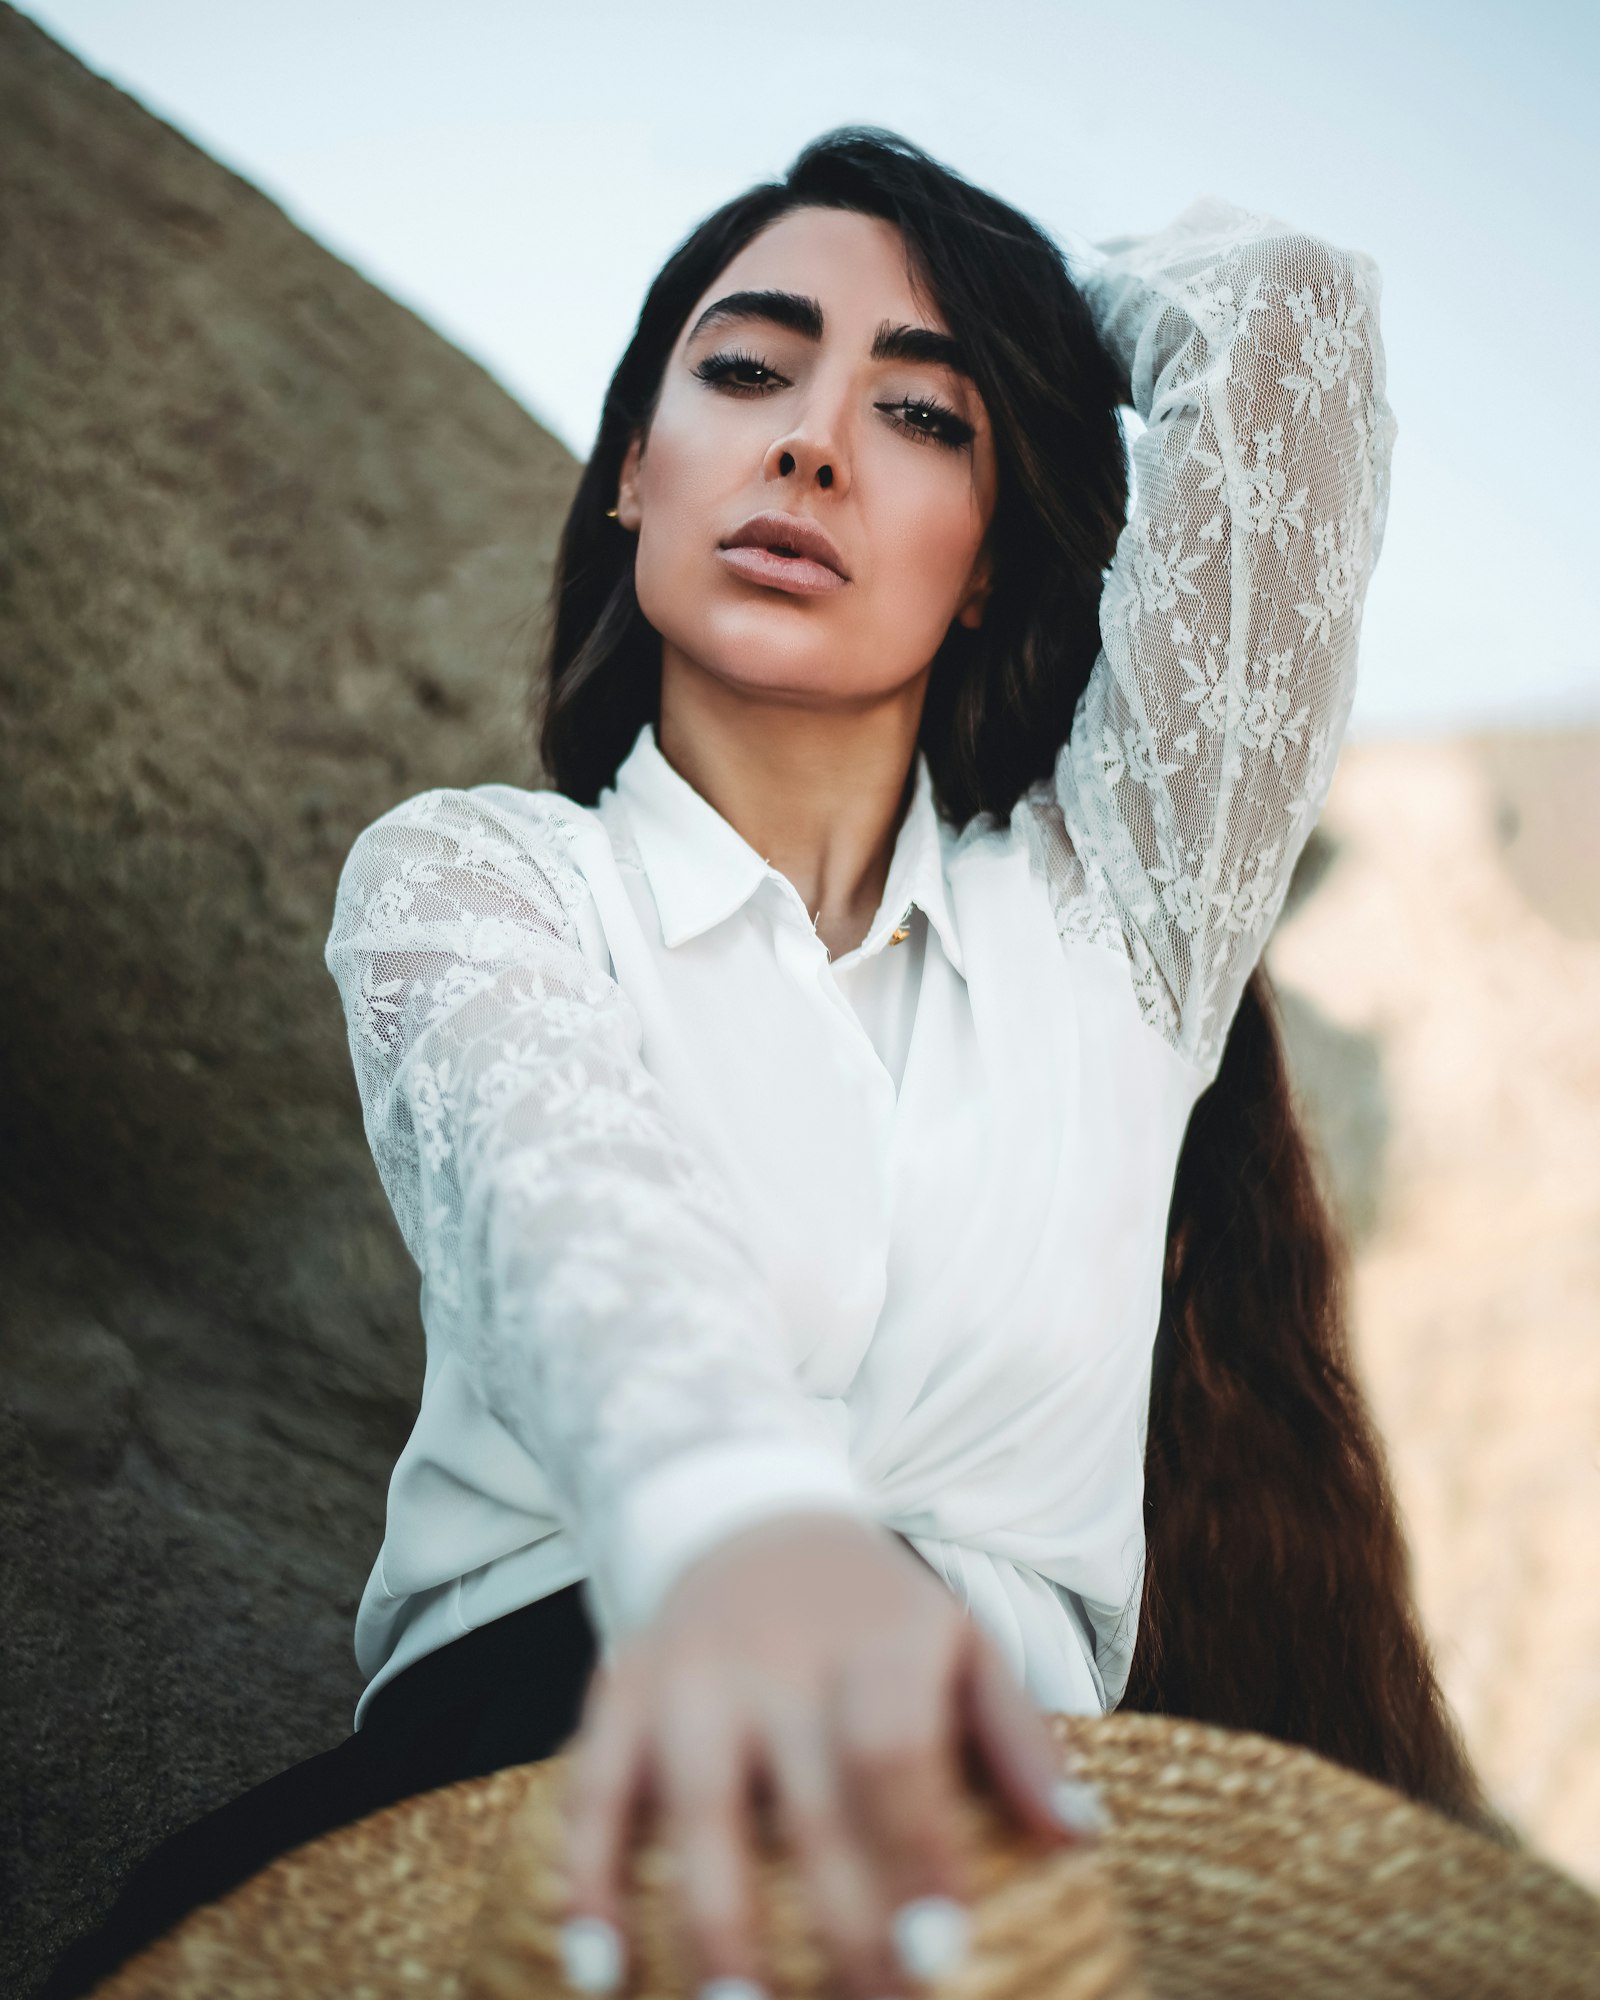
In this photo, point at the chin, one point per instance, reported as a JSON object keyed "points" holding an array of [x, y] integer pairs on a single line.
{"points": [[770, 654], [778, 679]]}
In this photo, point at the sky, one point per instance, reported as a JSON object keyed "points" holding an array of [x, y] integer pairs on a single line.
{"points": [[516, 173]]}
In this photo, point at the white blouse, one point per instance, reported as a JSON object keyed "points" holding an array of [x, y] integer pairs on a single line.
{"points": [[711, 1226]]}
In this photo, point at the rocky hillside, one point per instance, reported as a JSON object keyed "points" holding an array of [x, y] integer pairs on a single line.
{"points": [[272, 556]]}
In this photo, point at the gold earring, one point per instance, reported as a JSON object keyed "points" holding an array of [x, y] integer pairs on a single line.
{"points": [[611, 513]]}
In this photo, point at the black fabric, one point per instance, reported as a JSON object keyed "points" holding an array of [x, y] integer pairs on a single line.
{"points": [[509, 1693]]}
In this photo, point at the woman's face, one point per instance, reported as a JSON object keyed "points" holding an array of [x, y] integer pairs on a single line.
{"points": [[785, 409]]}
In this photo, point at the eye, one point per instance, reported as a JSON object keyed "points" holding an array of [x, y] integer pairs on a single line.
{"points": [[930, 423], [720, 370]]}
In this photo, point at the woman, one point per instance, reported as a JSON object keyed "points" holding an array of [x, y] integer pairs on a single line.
{"points": [[871, 1269]]}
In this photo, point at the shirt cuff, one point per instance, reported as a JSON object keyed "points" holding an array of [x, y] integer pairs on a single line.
{"points": [[684, 1508]]}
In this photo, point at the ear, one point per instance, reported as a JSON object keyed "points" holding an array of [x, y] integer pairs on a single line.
{"points": [[980, 583], [629, 512]]}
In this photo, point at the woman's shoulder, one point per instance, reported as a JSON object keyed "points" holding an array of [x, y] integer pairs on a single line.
{"points": [[526, 837], [523, 813], [539, 821], [990, 839]]}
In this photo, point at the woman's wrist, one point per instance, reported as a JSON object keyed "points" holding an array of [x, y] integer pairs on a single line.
{"points": [[696, 1501]]}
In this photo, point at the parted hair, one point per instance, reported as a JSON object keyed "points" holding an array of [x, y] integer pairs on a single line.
{"points": [[1276, 1592]]}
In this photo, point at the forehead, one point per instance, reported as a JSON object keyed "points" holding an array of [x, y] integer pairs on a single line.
{"points": [[857, 268]]}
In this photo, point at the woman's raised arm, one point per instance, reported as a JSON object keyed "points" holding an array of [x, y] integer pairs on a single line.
{"points": [[1205, 742], [579, 1254]]}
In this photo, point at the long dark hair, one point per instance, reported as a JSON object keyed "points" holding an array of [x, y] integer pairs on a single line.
{"points": [[1276, 1594]]}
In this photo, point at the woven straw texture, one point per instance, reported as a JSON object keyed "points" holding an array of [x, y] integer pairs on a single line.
{"points": [[1237, 1868]]}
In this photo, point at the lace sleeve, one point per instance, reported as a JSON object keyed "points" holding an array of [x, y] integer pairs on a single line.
{"points": [[1204, 744], [578, 1253]]}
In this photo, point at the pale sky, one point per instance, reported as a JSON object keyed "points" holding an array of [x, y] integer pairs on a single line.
{"points": [[516, 173]]}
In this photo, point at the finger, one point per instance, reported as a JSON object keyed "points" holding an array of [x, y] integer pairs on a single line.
{"points": [[703, 1762], [848, 1908], [899, 1736], [1016, 1748], [605, 1789]]}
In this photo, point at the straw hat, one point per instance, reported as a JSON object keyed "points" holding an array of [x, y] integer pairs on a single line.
{"points": [[1237, 1868]]}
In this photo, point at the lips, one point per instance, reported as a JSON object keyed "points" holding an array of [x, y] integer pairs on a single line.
{"points": [[791, 536]]}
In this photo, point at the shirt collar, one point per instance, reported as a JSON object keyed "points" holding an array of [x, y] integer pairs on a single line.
{"points": [[701, 869]]}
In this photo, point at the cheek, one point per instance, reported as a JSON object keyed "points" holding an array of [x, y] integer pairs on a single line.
{"points": [[681, 465], [679, 494], [926, 552]]}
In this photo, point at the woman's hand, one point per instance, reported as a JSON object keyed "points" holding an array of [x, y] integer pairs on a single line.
{"points": [[816, 1661]]}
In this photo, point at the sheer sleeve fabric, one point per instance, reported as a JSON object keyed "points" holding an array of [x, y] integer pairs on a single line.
{"points": [[580, 1257], [1205, 741]]}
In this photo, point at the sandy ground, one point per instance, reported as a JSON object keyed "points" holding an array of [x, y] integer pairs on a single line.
{"points": [[1459, 927]]}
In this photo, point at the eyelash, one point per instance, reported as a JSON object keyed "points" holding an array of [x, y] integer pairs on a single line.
{"points": [[955, 432]]}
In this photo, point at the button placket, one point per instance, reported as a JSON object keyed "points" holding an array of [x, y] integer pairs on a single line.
{"points": [[797, 918], [862, 1049], [869, 944]]}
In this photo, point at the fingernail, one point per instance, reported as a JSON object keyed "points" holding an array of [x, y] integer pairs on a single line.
{"points": [[732, 1989], [930, 1937], [591, 1955], [1080, 1808]]}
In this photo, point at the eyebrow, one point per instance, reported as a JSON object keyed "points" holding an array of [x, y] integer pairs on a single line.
{"points": [[803, 315]]}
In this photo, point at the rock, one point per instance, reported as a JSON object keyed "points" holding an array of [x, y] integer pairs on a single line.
{"points": [[1547, 818], [273, 557], [72, 1383], [1457, 942]]}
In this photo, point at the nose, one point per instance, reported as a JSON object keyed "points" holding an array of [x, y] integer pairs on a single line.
{"points": [[787, 463], [808, 453]]}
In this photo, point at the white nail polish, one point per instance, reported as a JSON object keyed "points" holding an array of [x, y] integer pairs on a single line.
{"points": [[732, 1989], [1080, 1808], [931, 1937], [591, 1955]]}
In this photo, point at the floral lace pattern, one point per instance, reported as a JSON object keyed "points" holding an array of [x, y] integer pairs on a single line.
{"points": [[579, 1255], [1204, 744]]}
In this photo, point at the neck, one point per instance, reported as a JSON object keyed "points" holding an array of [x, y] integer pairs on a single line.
{"points": [[818, 791]]}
